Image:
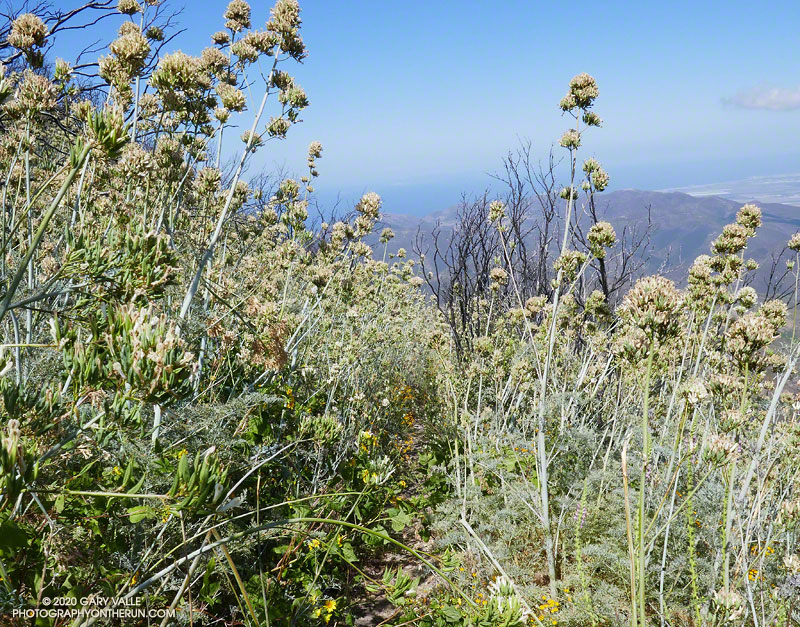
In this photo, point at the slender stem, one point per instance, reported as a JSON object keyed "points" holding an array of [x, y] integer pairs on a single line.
{"points": [[629, 530], [28, 312], [643, 483], [541, 448], [796, 279], [281, 523], [4, 306], [212, 242], [236, 576], [726, 558]]}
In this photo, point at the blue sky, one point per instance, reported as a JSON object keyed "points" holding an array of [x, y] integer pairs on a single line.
{"points": [[419, 100]]}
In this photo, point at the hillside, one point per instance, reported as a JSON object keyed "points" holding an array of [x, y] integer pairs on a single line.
{"points": [[684, 225]]}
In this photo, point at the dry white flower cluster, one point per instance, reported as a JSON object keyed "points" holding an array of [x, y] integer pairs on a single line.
{"points": [[754, 331], [601, 236], [581, 94], [569, 263], [28, 31], [720, 449], [129, 7], [597, 177], [654, 306]]}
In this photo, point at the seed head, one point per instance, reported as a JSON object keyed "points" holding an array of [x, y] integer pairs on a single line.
{"points": [[386, 235], [582, 93], [27, 31], [244, 51], [154, 33], [35, 94], [749, 216], [733, 239], [571, 139], [499, 277], [653, 305], [214, 61], [775, 311], [179, 79], [222, 114], [237, 16], [63, 71], [730, 604], [721, 448], [596, 304], [131, 49], [591, 165], [263, 41], [569, 263], [135, 162], [129, 7], [590, 118], [285, 24], [252, 140], [278, 127], [746, 297], [221, 38], [315, 150], [535, 304], [207, 183], [569, 193], [231, 98], [497, 211], [747, 336], [568, 103], [600, 179], [369, 205], [695, 392], [601, 236]]}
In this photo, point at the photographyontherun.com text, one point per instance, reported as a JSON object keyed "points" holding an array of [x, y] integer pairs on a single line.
{"points": [[92, 607]]}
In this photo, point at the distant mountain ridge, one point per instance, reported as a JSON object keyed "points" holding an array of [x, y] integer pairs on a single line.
{"points": [[684, 225]]}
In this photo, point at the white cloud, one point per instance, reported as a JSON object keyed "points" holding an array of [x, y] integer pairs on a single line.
{"points": [[767, 97]]}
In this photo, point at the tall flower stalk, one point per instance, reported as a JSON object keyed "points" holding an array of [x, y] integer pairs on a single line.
{"points": [[652, 309], [578, 102]]}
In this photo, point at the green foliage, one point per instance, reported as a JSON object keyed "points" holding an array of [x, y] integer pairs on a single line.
{"points": [[131, 351], [127, 266]]}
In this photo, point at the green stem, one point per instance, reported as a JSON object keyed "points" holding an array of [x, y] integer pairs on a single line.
{"points": [[4, 306], [796, 279], [279, 523], [690, 538], [643, 480], [726, 558], [726, 532]]}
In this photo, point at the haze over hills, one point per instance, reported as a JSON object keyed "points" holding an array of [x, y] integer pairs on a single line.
{"points": [[684, 225], [779, 188]]}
